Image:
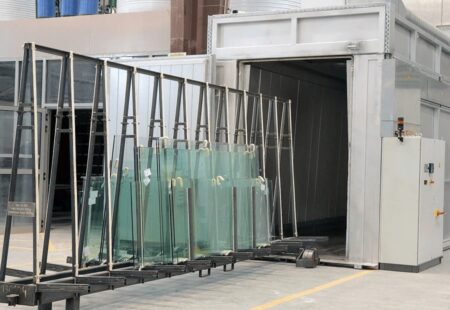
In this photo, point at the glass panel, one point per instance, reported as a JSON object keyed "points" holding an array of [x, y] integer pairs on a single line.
{"points": [[4, 190], [262, 212], [29, 95], [7, 83], [26, 147], [179, 172], [6, 133], [124, 218], [52, 79], [223, 200], [94, 222], [154, 197], [24, 193], [84, 76], [204, 203], [244, 213]]}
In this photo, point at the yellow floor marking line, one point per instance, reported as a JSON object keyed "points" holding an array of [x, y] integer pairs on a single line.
{"points": [[310, 291]]}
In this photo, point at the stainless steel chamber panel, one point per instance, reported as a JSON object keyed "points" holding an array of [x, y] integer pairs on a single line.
{"points": [[356, 30], [415, 41], [128, 6], [17, 9]]}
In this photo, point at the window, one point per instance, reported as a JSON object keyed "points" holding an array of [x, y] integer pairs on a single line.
{"points": [[7, 83], [84, 76]]}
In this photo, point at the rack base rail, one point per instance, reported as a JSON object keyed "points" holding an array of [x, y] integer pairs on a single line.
{"points": [[63, 286]]}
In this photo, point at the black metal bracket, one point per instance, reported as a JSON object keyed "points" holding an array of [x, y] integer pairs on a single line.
{"points": [[167, 270], [224, 261], [102, 280], [240, 256], [261, 252], [142, 275], [199, 265], [77, 288]]}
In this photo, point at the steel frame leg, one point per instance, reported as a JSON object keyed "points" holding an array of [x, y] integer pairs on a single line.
{"points": [[48, 306], [73, 303]]}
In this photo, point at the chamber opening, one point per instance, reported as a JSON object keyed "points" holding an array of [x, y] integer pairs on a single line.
{"points": [[318, 90]]}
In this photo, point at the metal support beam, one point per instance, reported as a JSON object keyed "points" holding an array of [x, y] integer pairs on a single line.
{"points": [[278, 165]]}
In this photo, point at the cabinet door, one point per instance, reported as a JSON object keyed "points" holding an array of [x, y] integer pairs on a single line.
{"points": [[431, 199], [400, 201]]}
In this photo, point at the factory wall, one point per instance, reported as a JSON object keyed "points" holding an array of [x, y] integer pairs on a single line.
{"points": [[143, 33]]}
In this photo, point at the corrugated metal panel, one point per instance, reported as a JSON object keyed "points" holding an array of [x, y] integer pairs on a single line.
{"points": [[17, 9], [264, 5], [127, 6]]}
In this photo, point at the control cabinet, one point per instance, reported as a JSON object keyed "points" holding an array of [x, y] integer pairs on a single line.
{"points": [[412, 203]]}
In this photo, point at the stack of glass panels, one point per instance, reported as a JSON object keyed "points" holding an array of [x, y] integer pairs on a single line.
{"points": [[193, 202]]}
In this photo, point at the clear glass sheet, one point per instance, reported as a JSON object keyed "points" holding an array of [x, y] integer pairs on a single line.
{"points": [[179, 161], [124, 217], [245, 168], [94, 217], [204, 202], [244, 213], [223, 199], [262, 212], [154, 199]]}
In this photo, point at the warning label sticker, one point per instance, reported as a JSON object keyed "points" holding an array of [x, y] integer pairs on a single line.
{"points": [[22, 209]]}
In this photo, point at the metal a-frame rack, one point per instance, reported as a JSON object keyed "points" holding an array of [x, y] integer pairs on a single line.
{"points": [[43, 289]]}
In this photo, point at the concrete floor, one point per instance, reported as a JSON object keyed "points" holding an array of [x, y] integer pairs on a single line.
{"points": [[266, 285]]}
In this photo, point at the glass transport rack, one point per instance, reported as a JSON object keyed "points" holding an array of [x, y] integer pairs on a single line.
{"points": [[168, 201]]}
